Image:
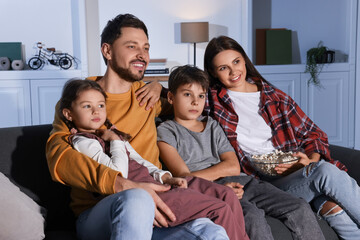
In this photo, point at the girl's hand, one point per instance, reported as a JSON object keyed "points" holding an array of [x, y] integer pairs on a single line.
{"points": [[237, 188], [149, 94], [287, 168], [176, 182], [107, 134]]}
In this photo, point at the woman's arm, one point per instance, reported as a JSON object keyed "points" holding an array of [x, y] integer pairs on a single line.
{"points": [[229, 165]]}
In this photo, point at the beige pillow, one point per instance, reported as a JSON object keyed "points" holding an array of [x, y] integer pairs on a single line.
{"points": [[20, 216]]}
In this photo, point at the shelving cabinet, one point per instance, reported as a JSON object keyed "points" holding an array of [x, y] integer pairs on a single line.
{"points": [[29, 97], [15, 103]]}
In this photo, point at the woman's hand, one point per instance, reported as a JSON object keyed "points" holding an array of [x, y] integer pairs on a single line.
{"points": [[237, 188], [149, 94], [288, 168]]}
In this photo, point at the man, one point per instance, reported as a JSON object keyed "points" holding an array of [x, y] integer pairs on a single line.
{"points": [[108, 205]]}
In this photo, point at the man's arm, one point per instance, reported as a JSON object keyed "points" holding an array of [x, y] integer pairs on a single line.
{"points": [[72, 168]]}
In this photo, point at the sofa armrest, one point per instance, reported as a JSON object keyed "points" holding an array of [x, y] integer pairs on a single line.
{"points": [[349, 157]]}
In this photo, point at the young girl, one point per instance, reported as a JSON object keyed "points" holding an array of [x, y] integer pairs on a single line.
{"points": [[259, 118], [83, 109]]}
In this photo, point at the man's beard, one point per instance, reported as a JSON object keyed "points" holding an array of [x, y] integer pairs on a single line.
{"points": [[125, 73]]}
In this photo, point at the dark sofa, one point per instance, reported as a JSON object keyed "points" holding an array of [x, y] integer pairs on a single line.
{"points": [[23, 160]]}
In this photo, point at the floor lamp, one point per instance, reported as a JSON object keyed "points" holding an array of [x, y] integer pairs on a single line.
{"points": [[194, 32]]}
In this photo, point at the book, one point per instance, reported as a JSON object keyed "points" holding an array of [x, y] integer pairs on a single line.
{"points": [[278, 47], [157, 71]]}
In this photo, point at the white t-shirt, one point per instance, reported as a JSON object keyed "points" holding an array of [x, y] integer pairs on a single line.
{"points": [[253, 134]]}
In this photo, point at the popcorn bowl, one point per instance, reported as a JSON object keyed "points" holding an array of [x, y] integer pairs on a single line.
{"points": [[266, 163]]}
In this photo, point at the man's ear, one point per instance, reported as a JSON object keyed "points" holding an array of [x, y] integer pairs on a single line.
{"points": [[67, 114], [170, 97], [106, 51]]}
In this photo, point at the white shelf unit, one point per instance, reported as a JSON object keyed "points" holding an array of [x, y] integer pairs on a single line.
{"points": [[333, 105], [29, 96]]}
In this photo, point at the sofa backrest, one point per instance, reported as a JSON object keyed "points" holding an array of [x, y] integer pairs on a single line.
{"points": [[23, 161]]}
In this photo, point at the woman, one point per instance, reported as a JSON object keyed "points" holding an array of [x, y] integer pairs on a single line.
{"points": [[259, 118]]}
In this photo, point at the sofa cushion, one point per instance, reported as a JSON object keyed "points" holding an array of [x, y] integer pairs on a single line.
{"points": [[21, 217]]}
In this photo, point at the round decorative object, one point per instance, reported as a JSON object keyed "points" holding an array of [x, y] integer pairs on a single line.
{"points": [[65, 62], [17, 65], [4, 63], [35, 63]]}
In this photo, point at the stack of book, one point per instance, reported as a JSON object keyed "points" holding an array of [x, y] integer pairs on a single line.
{"points": [[157, 67]]}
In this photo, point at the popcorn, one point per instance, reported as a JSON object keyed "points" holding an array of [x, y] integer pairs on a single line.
{"points": [[266, 163]]}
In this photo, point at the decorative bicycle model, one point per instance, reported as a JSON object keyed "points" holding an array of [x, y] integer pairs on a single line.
{"points": [[64, 60]]}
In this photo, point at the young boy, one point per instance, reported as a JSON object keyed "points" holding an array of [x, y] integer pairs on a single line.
{"points": [[192, 145]]}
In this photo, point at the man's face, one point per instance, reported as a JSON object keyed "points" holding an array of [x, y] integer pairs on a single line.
{"points": [[130, 54]]}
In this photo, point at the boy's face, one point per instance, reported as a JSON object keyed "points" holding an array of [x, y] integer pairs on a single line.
{"points": [[128, 56], [88, 111], [188, 102]]}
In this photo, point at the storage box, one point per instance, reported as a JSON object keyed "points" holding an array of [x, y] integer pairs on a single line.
{"points": [[12, 50]]}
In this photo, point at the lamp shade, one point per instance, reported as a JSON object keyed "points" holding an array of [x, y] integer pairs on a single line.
{"points": [[193, 32]]}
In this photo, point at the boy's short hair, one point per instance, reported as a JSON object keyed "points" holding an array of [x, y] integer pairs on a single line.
{"points": [[187, 74]]}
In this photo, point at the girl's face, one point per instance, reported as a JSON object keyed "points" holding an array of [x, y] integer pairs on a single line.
{"points": [[88, 111], [230, 69]]}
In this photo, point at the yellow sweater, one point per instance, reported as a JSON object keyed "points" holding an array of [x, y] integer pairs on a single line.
{"points": [[84, 174]]}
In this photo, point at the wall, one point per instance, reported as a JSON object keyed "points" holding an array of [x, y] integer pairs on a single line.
{"points": [[162, 18], [29, 22]]}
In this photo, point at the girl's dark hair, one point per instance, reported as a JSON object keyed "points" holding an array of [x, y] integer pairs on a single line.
{"points": [[112, 30], [71, 91], [222, 43], [187, 74]]}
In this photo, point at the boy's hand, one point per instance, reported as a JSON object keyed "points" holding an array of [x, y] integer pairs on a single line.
{"points": [[149, 94], [107, 134], [237, 188], [176, 181]]}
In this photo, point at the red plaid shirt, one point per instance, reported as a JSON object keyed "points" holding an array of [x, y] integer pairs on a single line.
{"points": [[291, 128]]}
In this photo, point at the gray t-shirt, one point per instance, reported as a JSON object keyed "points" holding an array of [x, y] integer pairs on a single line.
{"points": [[199, 150]]}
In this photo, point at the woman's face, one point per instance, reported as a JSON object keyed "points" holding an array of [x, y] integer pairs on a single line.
{"points": [[230, 69]]}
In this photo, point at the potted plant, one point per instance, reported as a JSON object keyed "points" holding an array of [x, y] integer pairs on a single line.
{"points": [[315, 59]]}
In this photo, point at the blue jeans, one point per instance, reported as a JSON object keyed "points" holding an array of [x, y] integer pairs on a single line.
{"points": [[104, 221], [322, 181]]}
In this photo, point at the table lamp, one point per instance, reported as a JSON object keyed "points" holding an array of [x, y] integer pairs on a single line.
{"points": [[194, 32]]}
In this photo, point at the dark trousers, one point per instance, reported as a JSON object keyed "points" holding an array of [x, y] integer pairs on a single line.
{"points": [[262, 198]]}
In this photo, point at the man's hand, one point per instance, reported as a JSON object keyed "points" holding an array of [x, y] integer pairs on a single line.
{"points": [[163, 213], [176, 181], [149, 94], [237, 188]]}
